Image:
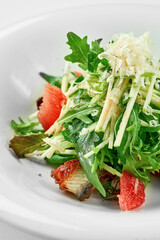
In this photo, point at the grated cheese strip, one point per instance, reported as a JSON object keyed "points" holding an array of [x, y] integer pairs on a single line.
{"points": [[100, 146], [111, 136], [49, 152], [65, 78], [35, 153], [53, 147], [154, 99], [155, 92], [149, 94], [85, 131], [113, 105], [106, 107], [111, 170], [52, 144], [32, 116], [107, 132], [139, 100], [145, 124], [126, 117], [69, 152], [71, 90]]}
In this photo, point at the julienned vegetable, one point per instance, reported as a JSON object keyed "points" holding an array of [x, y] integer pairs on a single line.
{"points": [[103, 124]]}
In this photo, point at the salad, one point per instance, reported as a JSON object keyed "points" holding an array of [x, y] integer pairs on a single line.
{"points": [[100, 123]]}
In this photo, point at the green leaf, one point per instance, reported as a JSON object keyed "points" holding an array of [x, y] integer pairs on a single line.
{"points": [[150, 128], [96, 46], [93, 59], [60, 159], [84, 145], [79, 79], [112, 188], [130, 137], [53, 80], [95, 150], [82, 53], [139, 151], [80, 113], [22, 145], [81, 97], [106, 64], [80, 50], [25, 127]]}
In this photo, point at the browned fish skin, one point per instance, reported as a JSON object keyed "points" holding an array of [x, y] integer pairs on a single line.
{"points": [[70, 177], [62, 173]]}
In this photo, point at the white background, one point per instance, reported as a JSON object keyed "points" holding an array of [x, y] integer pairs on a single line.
{"points": [[11, 12]]}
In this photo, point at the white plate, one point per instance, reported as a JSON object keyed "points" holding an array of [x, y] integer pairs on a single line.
{"points": [[32, 202]]}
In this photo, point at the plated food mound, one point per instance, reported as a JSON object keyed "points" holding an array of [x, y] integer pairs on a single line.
{"points": [[100, 123]]}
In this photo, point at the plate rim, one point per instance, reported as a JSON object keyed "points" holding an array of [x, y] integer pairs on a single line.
{"points": [[4, 32]]}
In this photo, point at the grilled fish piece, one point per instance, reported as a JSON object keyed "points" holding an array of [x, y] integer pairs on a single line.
{"points": [[70, 177]]}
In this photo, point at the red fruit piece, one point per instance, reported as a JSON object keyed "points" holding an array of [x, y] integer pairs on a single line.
{"points": [[132, 192], [49, 110], [78, 74]]}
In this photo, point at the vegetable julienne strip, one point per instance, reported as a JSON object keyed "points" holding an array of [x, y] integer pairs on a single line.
{"points": [[111, 119], [111, 170], [150, 90], [106, 106], [88, 130], [65, 78], [100, 146], [113, 104], [125, 118], [111, 135]]}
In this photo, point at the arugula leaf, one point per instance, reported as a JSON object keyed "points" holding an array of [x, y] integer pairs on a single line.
{"points": [[80, 50], [96, 46], [60, 159], [139, 151], [80, 113], [106, 64], [25, 127], [22, 145], [79, 79], [150, 128], [94, 84], [82, 53], [53, 80], [93, 59], [81, 97], [84, 145], [131, 134]]}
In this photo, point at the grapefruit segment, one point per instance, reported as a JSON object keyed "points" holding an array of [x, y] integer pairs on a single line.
{"points": [[49, 110], [132, 192], [77, 73]]}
